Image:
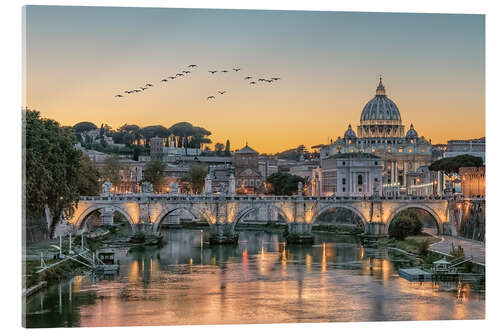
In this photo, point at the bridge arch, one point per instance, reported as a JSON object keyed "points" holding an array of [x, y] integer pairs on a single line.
{"points": [[339, 205], [245, 211], [189, 208], [432, 212], [89, 210]]}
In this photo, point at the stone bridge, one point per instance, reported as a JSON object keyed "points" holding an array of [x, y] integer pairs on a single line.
{"points": [[148, 211]]}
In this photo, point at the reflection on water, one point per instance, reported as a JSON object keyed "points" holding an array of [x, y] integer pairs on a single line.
{"points": [[260, 280]]}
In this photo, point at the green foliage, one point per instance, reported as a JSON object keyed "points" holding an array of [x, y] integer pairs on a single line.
{"points": [[88, 182], [84, 126], [284, 183], [153, 172], [53, 168], [293, 154], [218, 148], [423, 247], [456, 252], [450, 165], [227, 151], [405, 224], [111, 169], [139, 237], [195, 179]]}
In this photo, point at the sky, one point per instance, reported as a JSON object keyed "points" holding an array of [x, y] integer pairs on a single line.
{"points": [[433, 67]]}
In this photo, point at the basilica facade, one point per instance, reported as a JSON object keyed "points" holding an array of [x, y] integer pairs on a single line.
{"points": [[380, 132]]}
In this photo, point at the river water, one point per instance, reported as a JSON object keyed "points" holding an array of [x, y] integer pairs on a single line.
{"points": [[260, 280]]}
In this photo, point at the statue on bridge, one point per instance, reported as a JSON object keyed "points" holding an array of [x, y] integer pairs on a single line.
{"points": [[299, 189], [207, 189], [106, 189], [232, 185], [146, 188], [174, 188], [223, 190]]}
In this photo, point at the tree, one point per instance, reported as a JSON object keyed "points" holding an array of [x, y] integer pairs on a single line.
{"points": [[284, 183], [189, 136], [451, 165], [195, 179], [53, 169], [218, 148], [84, 126], [111, 170], [227, 151], [153, 173], [88, 182], [405, 224], [149, 132]]}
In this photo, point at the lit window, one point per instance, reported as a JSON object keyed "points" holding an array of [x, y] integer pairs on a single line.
{"points": [[373, 150], [400, 149], [410, 150]]}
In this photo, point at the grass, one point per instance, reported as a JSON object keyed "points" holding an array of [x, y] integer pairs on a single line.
{"points": [[413, 244]]}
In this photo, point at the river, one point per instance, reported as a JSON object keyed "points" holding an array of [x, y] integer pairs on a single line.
{"points": [[259, 280]]}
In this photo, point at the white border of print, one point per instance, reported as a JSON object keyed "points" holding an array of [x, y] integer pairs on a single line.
{"points": [[10, 84]]}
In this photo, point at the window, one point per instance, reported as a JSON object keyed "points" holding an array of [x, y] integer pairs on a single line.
{"points": [[343, 189], [360, 180], [376, 163], [410, 150], [400, 149], [251, 182], [343, 162], [343, 181], [373, 150], [376, 180]]}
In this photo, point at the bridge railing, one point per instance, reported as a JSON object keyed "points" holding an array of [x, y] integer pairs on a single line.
{"points": [[212, 198]]}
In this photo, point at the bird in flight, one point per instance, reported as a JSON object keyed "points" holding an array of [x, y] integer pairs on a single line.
{"points": [[262, 80], [137, 90], [193, 66], [118, 95], [253, 82], [164, 80], [144, 88], [148, 85], [248, 77], [171, 77], [128, 91], [236, 69], [210, 97], [222, 92], [179, 74], [212, 72], [224, 71], [269, 81], [275, 78], [186, 72]]}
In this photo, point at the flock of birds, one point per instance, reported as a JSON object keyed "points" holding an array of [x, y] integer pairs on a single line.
{"points": [[185, 73]]}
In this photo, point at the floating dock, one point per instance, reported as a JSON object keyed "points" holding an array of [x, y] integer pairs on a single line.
{"points": [[415, 274]]}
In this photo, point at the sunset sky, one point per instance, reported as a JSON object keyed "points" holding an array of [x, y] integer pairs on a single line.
{"points": [[433, 68]]}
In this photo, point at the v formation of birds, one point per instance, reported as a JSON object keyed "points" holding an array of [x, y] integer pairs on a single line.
{"points": [[184, 73]]}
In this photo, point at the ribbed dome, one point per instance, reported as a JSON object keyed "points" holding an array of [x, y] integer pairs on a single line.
{"points": [[349, 134], [380, 107], [411, 134]]}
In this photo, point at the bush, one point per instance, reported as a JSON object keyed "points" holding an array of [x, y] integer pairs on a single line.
{"points": [[139, 237], [404, 226], [423, 247], [456, 252]]}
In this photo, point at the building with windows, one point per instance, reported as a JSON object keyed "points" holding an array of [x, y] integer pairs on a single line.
{"points": [[474, 147], [249, 180], [381, 132], [473, 181]]}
